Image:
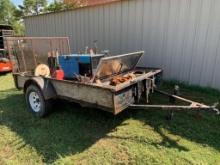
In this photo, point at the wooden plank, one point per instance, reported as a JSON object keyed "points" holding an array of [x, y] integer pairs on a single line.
{"points": [[85, 93]]}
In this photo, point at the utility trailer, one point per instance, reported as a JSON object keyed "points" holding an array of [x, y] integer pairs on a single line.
{"points": [[114, 83]]}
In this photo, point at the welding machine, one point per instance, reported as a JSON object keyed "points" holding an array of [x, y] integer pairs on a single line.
{"points": [[79, 64]]}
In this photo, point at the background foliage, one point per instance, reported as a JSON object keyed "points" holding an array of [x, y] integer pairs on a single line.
{"points": [[12, 15]]}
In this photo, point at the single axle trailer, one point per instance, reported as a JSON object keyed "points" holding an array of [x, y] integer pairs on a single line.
{"points": [[110, 83]]}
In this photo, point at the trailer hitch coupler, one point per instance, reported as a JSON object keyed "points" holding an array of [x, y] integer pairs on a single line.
{"points": [[215, 109]]}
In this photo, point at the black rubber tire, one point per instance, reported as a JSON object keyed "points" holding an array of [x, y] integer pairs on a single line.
{"points": [[45, 104]]}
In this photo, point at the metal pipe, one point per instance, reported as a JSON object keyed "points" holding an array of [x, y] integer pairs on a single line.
{"points": [[174, 107], [181, 98], [167, 106]]}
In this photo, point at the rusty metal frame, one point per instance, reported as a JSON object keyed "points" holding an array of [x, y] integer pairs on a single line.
{"points": [[11, 33], [59, 42]]}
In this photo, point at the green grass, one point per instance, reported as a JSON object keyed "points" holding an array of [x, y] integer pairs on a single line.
{"points": [[73, 135]]}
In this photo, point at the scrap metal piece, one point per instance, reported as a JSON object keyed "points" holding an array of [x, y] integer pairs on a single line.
{"points": [[121, 79]]}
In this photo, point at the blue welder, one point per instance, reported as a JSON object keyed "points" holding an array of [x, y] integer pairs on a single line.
{"points": [[79, 64]]}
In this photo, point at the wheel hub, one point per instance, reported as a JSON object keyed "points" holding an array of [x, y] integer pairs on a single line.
{"points": [[34, 101]]}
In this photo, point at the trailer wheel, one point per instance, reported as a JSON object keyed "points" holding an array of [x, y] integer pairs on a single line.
{"points": [[36, 102]]}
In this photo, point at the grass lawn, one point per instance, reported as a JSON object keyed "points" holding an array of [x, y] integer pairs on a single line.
{"points": [[73, 135]]}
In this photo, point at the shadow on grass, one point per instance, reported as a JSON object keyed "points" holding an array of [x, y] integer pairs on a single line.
{"points": [[72, 129], [69, 130], [204, 130]]}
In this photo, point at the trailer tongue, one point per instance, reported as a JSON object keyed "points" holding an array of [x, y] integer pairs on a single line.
{"points": [[192, 105]]}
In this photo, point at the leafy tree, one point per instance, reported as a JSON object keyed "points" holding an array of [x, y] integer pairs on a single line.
{"points": [[10, 15], [19, 28], [59, 5], [6, 12], [33, 7]]}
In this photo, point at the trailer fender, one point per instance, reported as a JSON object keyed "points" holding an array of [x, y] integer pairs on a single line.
{"points": [[45, 86]]}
